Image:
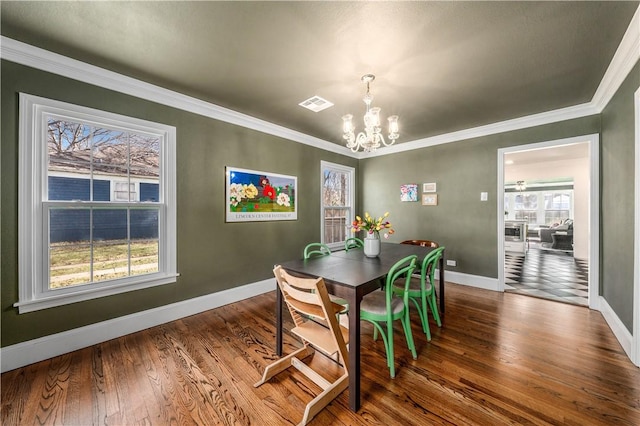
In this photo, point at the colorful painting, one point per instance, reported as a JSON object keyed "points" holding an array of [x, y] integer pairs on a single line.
{"points": [[409, 192], [259, 196]]}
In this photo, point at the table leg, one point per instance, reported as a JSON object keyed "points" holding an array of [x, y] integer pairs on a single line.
{"points": [[441, 266], [354, 351], [278, 321]]}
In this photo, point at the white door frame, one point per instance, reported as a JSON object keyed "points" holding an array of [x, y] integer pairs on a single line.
{"points": [[594, 211], [635, 346]]}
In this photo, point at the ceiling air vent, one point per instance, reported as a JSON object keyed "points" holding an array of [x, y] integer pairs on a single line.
{"points": [[316, 104]]}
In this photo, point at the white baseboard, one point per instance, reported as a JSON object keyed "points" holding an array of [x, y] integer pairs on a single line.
{"points": [[617, 327], [470, 280], [25, 353]]}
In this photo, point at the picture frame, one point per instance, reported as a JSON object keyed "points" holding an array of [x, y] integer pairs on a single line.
{"points": [[430, 199], [253, 195], [409, 192], [429, 187]]}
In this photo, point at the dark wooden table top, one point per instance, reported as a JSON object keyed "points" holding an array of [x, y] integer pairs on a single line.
{"points": [[361, 269]]}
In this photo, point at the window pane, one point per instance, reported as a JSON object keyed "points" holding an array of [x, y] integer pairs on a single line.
{"points": [[144, 241], [69, 153], [145, 164], [526, 202], [335, 225], [111, 244], [335, 188], [69, 247]]}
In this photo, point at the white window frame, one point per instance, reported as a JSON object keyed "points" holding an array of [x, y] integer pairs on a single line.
{"points": [[33, 230], [135, 192], [351, 172]]}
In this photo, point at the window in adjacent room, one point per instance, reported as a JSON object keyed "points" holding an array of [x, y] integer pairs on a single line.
{"points": [[338, 195], [86, 229]]}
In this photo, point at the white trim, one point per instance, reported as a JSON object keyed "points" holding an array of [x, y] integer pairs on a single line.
{"points": [[548, 117], [352, 195], [625, 57], [34, 57], [594, 207], [635, 353], [33, 232], [617, 327], [469, 280], [25, 353]]}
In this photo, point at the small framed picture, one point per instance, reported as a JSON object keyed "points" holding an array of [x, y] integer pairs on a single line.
{"points": [[409, 192], [430, 199], [429, 187]]}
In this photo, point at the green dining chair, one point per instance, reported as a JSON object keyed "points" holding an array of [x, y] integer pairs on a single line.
{"points": [[383, 308], [317, 250], [421, 290], [353, 243]]}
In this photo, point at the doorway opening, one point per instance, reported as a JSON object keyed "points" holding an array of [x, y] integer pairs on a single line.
{"points": [[548, 238]]}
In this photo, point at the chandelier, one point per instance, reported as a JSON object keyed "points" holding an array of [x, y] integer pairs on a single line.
{"points": [[521, 185], [370, 139]]}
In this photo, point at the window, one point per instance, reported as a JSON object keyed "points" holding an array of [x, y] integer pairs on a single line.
{"points": [[124, 191], [86, 229], [557, 207], [338, 183], [526, 206]]}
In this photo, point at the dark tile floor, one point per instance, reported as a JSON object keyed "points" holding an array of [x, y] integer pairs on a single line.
{"points": [[548, 274]]}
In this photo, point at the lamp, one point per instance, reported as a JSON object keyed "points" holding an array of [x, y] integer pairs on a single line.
{"points": [[370, 139], [521, 185]]}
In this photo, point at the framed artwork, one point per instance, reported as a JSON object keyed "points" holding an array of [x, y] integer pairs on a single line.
{"points": [[409, 192], [430, 199], [260, 196], [429, 187]]}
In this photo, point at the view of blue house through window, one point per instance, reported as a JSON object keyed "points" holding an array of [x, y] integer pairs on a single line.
{"points": [[93, 164], [97, 203]]}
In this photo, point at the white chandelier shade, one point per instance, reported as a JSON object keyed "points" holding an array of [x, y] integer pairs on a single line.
{"points": [[371, 138]]}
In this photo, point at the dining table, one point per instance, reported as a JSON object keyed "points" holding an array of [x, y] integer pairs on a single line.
{"points": [[351, 275]]}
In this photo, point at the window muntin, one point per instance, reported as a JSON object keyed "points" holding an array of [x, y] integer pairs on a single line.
{"points": [[337, 203], [101, 188]]}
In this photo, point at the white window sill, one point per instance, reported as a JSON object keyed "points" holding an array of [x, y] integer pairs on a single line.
{"points": [[53, 300]]}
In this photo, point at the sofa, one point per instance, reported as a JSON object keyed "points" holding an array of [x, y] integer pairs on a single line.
{"points": [[558, 236]]}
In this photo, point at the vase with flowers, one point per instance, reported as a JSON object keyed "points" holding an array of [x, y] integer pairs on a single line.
{"points": [[373, 226]]}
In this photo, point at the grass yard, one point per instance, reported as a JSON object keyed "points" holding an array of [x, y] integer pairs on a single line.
{"points": [[70, 263]]}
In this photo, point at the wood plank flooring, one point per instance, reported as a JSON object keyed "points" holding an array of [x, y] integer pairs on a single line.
{"points": [[499, 359]]}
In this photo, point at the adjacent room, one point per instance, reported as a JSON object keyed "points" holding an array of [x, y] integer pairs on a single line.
{"points": [[324, 213]]}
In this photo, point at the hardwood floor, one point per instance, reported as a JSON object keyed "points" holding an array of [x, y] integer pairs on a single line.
{"points": [[499, 359]]}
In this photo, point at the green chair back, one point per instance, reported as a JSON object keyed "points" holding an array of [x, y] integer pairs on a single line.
{"points": [[353, 243], [316, 249], [423, 294], [382, 308]]}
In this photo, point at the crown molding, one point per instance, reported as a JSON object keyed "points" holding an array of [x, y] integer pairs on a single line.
{"points": [[548, 117], [623, 61], [625, 58], [35, 57]]}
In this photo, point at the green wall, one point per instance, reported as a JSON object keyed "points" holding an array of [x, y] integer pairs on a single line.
{"points": [[466, 226], [617, 199], [212, 255]]}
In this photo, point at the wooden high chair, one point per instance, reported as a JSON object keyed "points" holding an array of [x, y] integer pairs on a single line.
{"points": [[314, 316]]}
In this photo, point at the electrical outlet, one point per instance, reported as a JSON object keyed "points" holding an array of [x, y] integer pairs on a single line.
{"points": [[452, 263]]}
